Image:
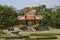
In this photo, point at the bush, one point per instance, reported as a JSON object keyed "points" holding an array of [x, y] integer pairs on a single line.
{"points": [[35, 26], [21, 26], [43, 35]]}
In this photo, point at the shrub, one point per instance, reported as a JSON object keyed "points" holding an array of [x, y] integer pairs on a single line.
{"points": [[21, 26], [35, 26], [43, 35]]}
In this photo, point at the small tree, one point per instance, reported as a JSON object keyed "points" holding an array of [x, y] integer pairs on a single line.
{"points": [[35, 26]]}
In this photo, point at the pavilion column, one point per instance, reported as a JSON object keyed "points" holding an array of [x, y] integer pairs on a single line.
{"points": [[20, 22], [34, 21], [27, 22]]}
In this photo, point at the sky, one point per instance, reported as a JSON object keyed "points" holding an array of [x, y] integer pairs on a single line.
{"points": [[20, 4]]}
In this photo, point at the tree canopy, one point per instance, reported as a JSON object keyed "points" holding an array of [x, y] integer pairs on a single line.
{"points": [[51, 16], [8, 16]]}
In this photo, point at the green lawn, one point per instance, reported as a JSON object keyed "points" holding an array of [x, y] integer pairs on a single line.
{"points": [[40, 35], [55, 32]]}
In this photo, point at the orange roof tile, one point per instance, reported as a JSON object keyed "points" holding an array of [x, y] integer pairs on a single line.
{"points": [[30, 15]]}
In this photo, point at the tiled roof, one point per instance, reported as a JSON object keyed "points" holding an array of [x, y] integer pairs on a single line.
{"points": [[30, 15], [30, 18]]}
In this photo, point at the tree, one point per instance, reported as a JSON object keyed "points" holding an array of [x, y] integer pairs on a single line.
{"points": [[8, 16], [22, 11], [51, 16]]}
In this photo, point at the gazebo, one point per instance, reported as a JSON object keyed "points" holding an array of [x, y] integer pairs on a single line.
{"points": [[28, 16]]}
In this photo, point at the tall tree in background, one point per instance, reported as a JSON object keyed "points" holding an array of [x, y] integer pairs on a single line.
{"points": [[57, 16], [51, 16], [8, 16], [22, 11]]}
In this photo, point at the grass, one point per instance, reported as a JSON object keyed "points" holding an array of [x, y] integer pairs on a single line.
{"points": [[1, 33], [51, 34], [55, 31]]}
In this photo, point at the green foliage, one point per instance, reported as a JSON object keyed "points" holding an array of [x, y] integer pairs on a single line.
{"points": [[8, 16], [51, 16], [21, 26], [44, 35], [22, 11], [35, 26]]}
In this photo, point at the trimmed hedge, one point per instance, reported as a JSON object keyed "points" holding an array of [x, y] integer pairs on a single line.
{"points": [[43, 37], [32, 35], [13, 37], [41, 34]]}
